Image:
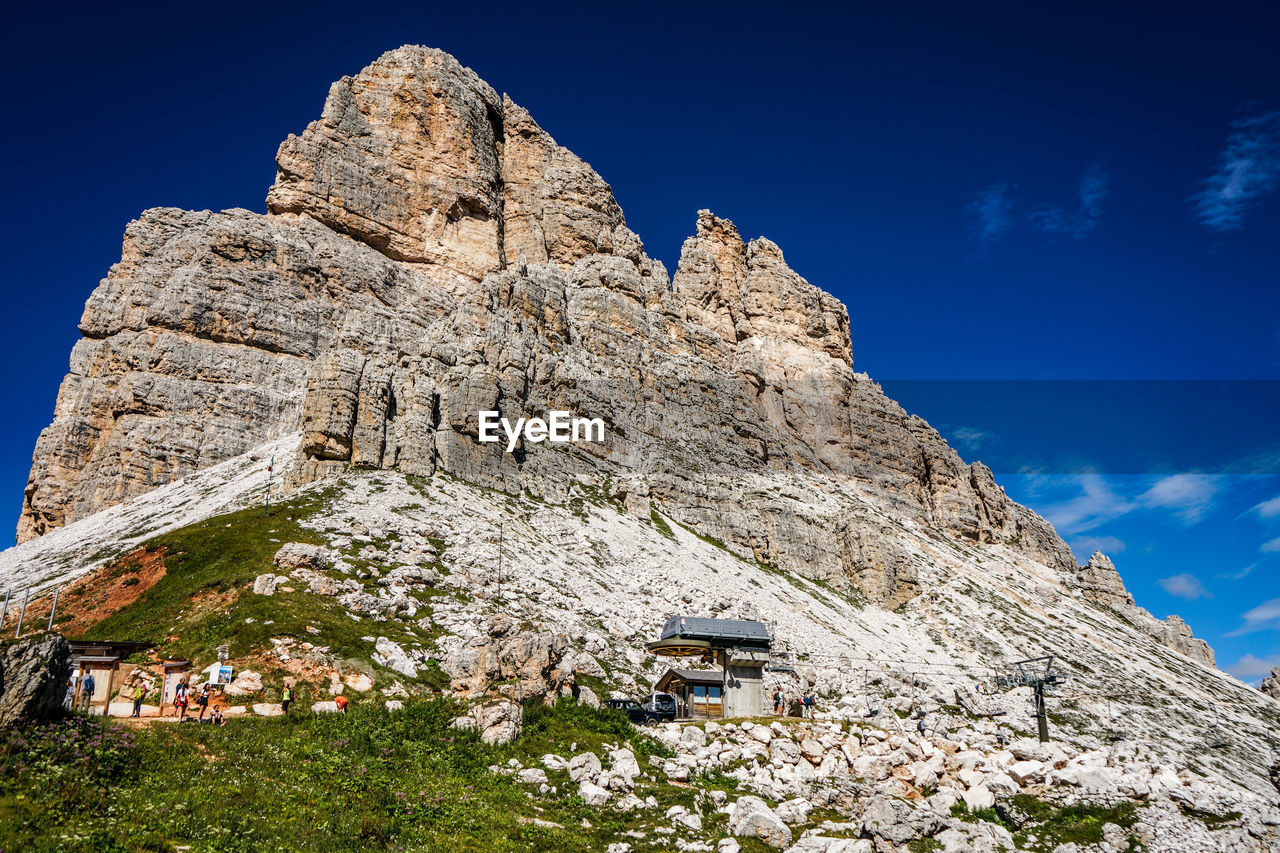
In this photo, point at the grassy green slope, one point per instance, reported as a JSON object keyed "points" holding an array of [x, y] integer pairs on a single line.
{"points": [[367, 780], [204, 598]]}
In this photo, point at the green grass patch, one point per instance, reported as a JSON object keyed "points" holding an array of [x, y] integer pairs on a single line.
{"points": [[1051, 826], [551, 727], [660, 524], [710, 540], [718, 779], [1211, 820], [367, 780]]}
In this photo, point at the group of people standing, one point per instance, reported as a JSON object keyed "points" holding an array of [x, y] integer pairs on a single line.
{"points": [[803, 705], [184, 696], [80, 692]]}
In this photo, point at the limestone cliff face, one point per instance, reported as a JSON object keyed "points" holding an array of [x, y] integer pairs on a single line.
{"points": [[1271, 685], [1176, 634], [1099, 582], [429, 252]]}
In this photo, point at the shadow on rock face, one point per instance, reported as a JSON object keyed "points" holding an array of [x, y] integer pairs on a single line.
{"points": [[33, 678]]}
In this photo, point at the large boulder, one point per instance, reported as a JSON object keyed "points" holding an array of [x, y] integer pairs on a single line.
{"points": [[592, 794], [751, 817], [588, 697], [534, 663], [33, 678], [795, 810], [393, 656], [897, 821], [584, 766], [498, 722], [300, 555], [265, 584], [979, 797], [1271, 684], [624, 767], [359, 682], [246, 683]]}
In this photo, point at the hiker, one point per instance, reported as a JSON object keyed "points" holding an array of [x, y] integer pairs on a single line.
{"points": [[215, 716], [87, 684], [286, 697], [341, 702], [921, 726], [810, 704], [139, 692], [180, 700], [778, 702], [203, 701], [70, 698]]}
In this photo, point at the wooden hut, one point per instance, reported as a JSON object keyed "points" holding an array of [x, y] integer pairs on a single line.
{"points": [[741, 648], [699, 692]]}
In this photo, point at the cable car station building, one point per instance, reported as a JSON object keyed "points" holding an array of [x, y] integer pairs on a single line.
{"points": [[740, 648]]}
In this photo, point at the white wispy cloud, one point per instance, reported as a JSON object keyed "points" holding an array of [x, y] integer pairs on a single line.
{"points": [[1097, 504], [1248, 169], [1189, 496], [1186, 586], [970, 437], [1240, 575], [1251, 667], [1268, 509], [1077, 222], [992, 211], [1270, 546], [1084, 546], [1264, 617]]}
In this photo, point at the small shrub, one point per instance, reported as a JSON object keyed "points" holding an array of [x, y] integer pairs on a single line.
{"points": [[660, 524], [70, 762], [1211, 820], [717, 778], [1081, 823]]}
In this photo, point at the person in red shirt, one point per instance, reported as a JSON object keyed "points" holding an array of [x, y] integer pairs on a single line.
{"points": [[341, 702]]}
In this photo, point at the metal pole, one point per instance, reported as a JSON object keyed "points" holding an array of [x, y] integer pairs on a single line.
{"points": [[1042, 714], [5, 611], [23, 612], [53, 610], [499, 564], [271, 464]]}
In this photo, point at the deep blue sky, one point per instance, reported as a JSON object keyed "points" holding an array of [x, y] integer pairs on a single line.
{"points": [[999, 191]]}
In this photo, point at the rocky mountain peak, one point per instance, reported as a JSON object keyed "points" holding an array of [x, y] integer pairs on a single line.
{"points": [[430, 253], [419, 158], [1100, 582], [746, 292]]}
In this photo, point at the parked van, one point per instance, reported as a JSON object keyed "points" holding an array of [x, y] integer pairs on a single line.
{"points": [[660, 706]]}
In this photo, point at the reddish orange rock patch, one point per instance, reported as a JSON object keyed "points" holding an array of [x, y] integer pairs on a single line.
{"points": [[110, 589]]}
